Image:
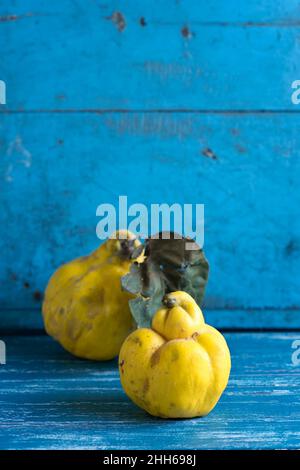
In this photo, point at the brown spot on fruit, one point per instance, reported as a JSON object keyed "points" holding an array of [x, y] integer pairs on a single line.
{"points": [[121, 366], [175, 355], [155, 358], [74, 329], [137, 340], [101, 296], [146, 386], [94, 312]]}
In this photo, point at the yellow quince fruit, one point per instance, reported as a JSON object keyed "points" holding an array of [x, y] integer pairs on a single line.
{"points": [[180, 367], [85, 308]]}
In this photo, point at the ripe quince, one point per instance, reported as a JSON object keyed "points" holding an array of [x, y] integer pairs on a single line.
{"points": [[85, 308], [178, 368]]}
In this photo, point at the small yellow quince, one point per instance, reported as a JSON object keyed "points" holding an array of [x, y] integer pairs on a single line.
{"points": [[85, 309], [180, 367]]}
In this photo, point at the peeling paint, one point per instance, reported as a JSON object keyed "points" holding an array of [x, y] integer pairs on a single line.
{"points": [[186, 33], [8, 174], [17, 146]]}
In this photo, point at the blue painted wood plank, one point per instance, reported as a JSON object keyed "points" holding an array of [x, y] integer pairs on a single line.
{"points": [[49, 399], [189, 55], [56, 169]]}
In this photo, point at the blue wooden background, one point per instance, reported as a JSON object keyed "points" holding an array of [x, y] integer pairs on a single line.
{"points": [[125, 98]]}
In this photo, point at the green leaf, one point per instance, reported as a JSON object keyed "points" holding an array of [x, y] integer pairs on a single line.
{"points": [[142, 309], [170, 265]]}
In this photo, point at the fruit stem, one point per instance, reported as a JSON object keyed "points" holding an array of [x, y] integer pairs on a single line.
{"points": [[169, 302]]}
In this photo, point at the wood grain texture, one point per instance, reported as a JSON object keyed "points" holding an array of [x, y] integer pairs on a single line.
{"points": [[29, 321], [49, 399], [56, 169], [187, 55]]}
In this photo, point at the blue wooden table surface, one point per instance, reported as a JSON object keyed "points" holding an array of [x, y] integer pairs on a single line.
{"points": [[49, 399]]}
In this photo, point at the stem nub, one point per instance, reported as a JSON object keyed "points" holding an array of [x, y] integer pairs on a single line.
{"points": [[169, 302]]}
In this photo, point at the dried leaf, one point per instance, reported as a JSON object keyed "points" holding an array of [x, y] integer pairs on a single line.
{"points": [[169, 266]]}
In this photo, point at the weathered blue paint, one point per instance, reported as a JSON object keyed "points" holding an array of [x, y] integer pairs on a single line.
{"points": [[50, 400], [76, 162], [59, 160], [78, 55]]}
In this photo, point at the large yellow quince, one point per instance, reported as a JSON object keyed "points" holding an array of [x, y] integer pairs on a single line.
{"points": [[180, 367], [85, 309]]}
